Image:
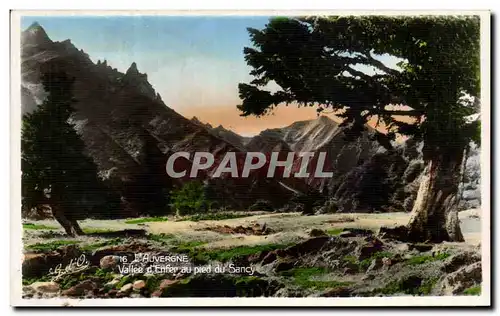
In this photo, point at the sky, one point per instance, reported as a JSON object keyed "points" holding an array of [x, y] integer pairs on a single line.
{"points": [[194, 62]]}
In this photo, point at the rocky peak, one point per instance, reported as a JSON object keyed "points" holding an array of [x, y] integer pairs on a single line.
{"points": [[132, 70], [35, 35]]}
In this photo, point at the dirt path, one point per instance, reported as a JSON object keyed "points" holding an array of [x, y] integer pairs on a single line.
{"points": [[281, 227]]}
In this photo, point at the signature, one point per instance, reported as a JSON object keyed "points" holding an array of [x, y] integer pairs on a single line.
{"points": [[75, 265]]}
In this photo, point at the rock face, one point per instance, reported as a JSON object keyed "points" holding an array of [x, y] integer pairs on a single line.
{"points": [[127, 129]]}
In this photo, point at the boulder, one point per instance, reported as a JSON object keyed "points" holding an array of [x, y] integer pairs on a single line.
{"points": [[166, 283], [138, 285], [456, 282], [126, 288], [374, 265], [284, 266], [80, 289], [459, 260], [109, 262], [45, 287], [317, 233]]}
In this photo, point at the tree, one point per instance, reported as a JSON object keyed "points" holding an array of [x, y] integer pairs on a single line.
{"points": [[323, 62], [55, 170], [190, 198]]}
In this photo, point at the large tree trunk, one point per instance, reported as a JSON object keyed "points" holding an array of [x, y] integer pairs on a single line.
{"points": [[70, 226], [434, 215]]}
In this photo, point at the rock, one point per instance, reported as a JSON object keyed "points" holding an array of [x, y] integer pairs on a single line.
{"points": [[367, 250], [139, 284], [456, 282], [374, 265], [349, 270], [270, 257], [126, 288], [80, 289], [359, 231], [317, 233], [135, 295], [309, 246], [397, 233], [121, 294], [45, 287], [386, 261], [284, 266], [111, 284], [461, 259], [341, 291], [166, 283], [156, 293], [347, 234], [420, 247], [109, 262], [368, 277], [112, 293]]}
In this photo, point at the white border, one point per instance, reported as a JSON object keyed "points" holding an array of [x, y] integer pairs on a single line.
{"points": [[15, 221]]}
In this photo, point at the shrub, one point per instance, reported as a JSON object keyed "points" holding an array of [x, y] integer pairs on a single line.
{"points": [[190, 198], [262, 205]]}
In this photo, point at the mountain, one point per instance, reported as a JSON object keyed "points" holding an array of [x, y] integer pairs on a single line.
{"points": [[319, 135], [127, 128], [229, 136]]}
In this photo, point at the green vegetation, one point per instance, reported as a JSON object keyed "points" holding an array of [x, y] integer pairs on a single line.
{"points": [[304, 278], [60, 165], [364, 264], [28, 281], [427, 258], [233, 253], [335, 231], [70, 280], [213, 217], [188, 246], [38, 226], [315, 62], [161, 238], [190, 198], [51, 246], [411, 286], [351, 259], [93, 230], [146, 220], [227, 286], [100, 244], [475, 290], [177, 244], [261, 205]]}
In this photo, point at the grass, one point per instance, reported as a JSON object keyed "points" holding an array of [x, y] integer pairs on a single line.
{"points": [[179, 245], [364, 264], [234, 253], [475, 290], [335, 231], [38, 226], [70, 280], [97, 245], [28, 281], [212, 217], [427, 258], [51, 246], [408, 287], [304, 278], [146, 220], [161, 238], [93, 230]]}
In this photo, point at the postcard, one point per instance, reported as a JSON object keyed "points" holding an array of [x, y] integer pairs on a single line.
{"points": [[250, 159]]}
